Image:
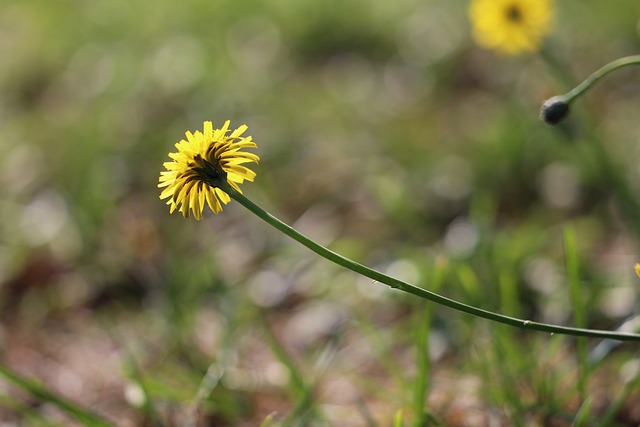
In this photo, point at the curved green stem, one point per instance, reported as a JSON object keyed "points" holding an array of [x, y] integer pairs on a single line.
{"points": [[414, 290], [593, 78], [556, 108]]}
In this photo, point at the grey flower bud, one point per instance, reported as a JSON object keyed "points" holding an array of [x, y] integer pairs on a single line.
{"points": [[554, 110]]}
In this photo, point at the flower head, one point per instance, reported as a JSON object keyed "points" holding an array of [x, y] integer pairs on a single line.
{"points": [[511, 26], [637, 269], [204, 162]]}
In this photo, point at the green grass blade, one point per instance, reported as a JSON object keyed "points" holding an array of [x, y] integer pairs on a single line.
{"points": [[421, 383], [38, 391], [582, 417], [134, 372], [397, 419], [300, 390], [509, 297], [268, 420], [577, 301], [632, 385]]}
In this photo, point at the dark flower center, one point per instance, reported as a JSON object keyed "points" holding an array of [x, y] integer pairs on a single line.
{"points": [[513, 13], [211, 173]]}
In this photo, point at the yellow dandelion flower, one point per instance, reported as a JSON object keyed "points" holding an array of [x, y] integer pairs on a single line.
{"points": [[511, 26], [637, 268], [204, 162]]}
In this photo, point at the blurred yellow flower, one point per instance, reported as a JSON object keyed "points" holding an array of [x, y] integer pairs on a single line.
{"points": [[202, 164], [637, 268], [511, 26]]}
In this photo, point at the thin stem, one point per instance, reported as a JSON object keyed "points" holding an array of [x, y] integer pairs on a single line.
{"points": [[392, 282], [593, 78]]}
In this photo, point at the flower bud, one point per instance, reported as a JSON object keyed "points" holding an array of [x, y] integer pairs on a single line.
{"points": [[554, 110]]}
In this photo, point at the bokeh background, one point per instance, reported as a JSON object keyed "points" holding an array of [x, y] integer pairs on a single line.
{"points": [[384, 133]]}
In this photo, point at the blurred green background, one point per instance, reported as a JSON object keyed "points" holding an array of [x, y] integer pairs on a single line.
{"points": [[383, 132]]}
